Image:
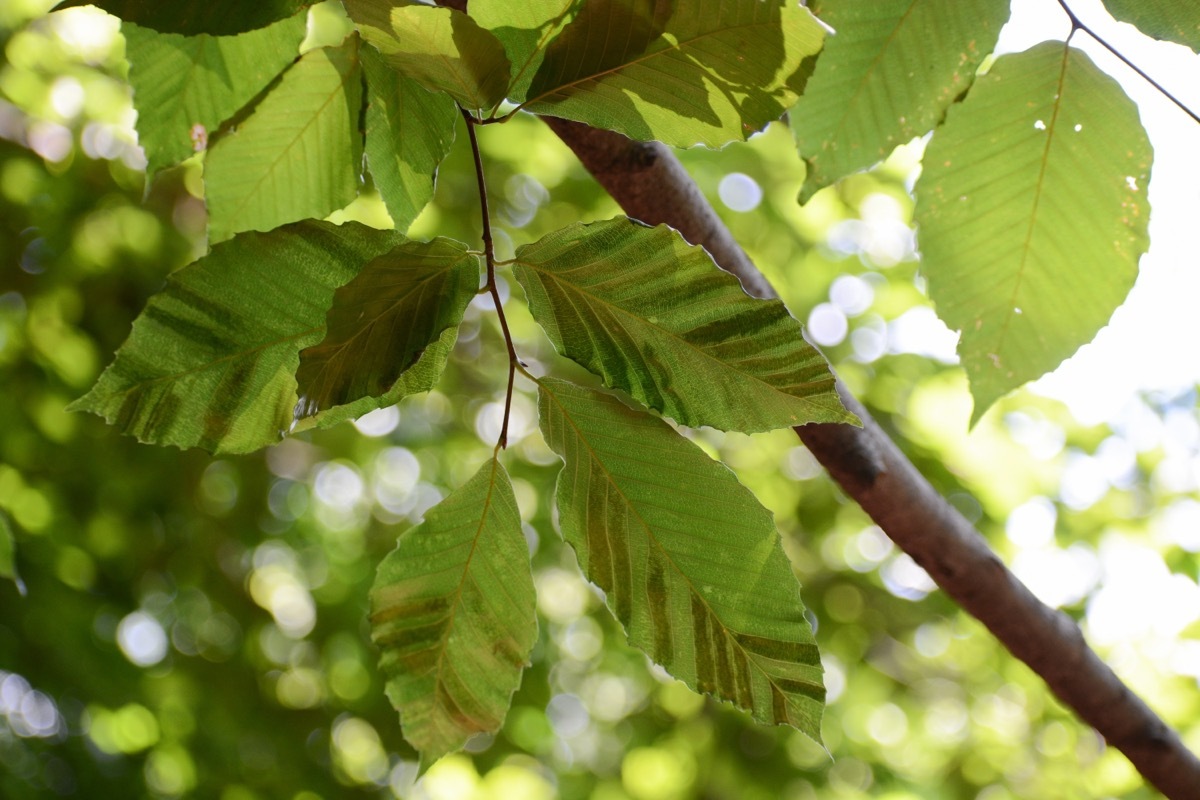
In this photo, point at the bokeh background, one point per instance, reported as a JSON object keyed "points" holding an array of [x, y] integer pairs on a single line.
{"points": [[174, 625]]}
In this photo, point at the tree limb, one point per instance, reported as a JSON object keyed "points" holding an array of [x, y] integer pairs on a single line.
{"points": [[649, 183]]}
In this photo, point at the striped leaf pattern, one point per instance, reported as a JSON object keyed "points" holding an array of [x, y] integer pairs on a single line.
{"points": [[689, 561], [684, 73], [888, 76], [1032, 214], [184, 87], [211, 360], [452, 611], [382, 321], [653, 316], [297, 156]]}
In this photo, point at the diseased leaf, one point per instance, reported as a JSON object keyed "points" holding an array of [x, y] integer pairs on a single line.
{"points": [[1171, 20], [192, 17], [524, 29], [682, 73], [689, 562], [186, 86], [888, 76], [653, 316], [382, 321], [409, 132], [1032, 214], [211, 360], [452, 611], [442, 49], [298, 155]]}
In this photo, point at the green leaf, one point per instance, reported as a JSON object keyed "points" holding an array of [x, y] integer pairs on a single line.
{"points": [[1032, 214], [8, 553], [298, 155], [524, 29], [452, 611], [684, 74], [653, 316], [192, 17], [382, 321], [409, 132], [888, 76], [442, 49], [689, 562], [211, 360], [186, 86], [1171, 20]]}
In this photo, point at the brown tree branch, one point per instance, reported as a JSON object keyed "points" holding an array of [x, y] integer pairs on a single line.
{"points": [[648, 181]]}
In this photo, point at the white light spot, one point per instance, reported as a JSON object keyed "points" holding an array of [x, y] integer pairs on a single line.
{"points": [[1078, 127], [740, 192], [1041, 126], [66, 97], [379, 422], [567, 715], [1131, 182], [827, 324], [851, 294], [338, 486], [1032, 523], [142, 639]]}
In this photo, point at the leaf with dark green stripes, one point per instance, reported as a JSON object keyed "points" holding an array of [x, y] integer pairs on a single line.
{"points": [[1031, 213], [409, 132], [1171, 20], [689, 561], [682, 73], [653, 316], [184, 87], [298, 155], [211, 360], [191, 17], [383, 320], [452, 611]]}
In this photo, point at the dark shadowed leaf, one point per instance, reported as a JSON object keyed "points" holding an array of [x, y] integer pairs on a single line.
{"points": [[888, 76], [191, 17], [186, 86], [653, 316], [1171, 20], [683, 73], [452, 611], [689, 562], [383, 320], [211, 360], [524, 29], [298, 155], [409, 132], [1032, 214]]}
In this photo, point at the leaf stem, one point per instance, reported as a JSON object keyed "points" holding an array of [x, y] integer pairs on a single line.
{"points": [[489, 257], [1078, 25]]}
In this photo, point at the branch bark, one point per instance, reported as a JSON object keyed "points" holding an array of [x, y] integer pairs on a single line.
{"points": [[650, 184]]}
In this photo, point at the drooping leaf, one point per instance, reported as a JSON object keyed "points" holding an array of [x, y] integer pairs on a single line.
{"points": [[442, 49], [653, 316], [452, 611], [382, 321], [409, 132], [888, 76], [192, 17], [682, 73], [186, 86], [211, 360], [524, 29], [1171, 20], [1032, 214], [297, 156], [689, 562]]}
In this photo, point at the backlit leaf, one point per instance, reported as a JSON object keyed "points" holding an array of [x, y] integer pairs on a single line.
{"points": [[298, 155], [684, 73], [452, 611], [1172, 20], [211, 360], [382, 321], [409, 132], [689, 562], [888, 76], [1032, 214], [186, 86], [653, 316], [191, 17], [442, 49], [524, 29]]}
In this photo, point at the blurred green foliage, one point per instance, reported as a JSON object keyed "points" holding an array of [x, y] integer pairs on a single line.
{"points": [[184, 626]]}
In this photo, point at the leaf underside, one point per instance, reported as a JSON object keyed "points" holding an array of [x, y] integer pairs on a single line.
{"points": [[1170, 20], [524, 29], [452, 611], [888, 76], [682, 73], [191, 17], [689, 562], [654, 317], [1032, 214]]}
